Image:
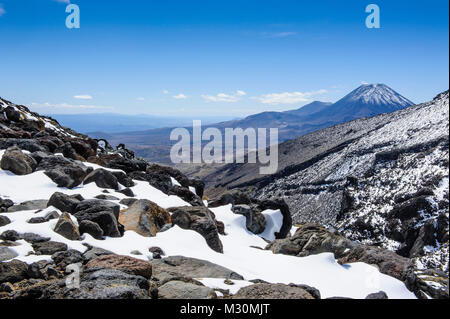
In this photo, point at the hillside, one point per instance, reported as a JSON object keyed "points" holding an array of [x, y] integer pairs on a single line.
{"points": [[381, 180]]}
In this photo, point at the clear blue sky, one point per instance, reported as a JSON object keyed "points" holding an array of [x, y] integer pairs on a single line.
{"points": [[216, 57]]}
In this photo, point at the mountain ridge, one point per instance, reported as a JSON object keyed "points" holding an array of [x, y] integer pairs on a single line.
{"points": [[155, 145]]}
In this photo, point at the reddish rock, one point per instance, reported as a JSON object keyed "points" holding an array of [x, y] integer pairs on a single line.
{"points": [[135, 266]]}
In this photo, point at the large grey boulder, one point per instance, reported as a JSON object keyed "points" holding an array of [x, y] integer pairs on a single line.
{"points": [[176, 289], [29, 205], [17, 162], [180, 266], [312, 239]]}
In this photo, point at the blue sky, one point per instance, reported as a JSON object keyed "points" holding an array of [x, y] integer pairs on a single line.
{"points": [[199, 58]]}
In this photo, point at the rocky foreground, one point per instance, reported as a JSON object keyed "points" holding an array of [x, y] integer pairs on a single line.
{"points": [[79, 219]]}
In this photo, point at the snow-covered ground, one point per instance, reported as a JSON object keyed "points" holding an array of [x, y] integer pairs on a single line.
{"points": [[243, 250]]}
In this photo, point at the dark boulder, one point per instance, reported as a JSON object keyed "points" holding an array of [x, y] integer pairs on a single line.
{"points": [[235, 197], [272, 291], [12, 114], [102, 178], [63, 171], [5, 204], [159, 181], [255, 221], [48, 247], [37, 220], [26, 144], [102, 212], [198, 185], [285, 212], [201, 220], [63, 202], [157, 252], [155, 169], [67, 228], [34, 238], [91, 228], [64, 258], [426, 237], [17, 162], [388, 262], [127, 192], [10, 235], [123, 179], [4, 221], [377, 295], [106, 197], [411, 208], [35, 271], [39, 155], [186, 195], [13, 271]]}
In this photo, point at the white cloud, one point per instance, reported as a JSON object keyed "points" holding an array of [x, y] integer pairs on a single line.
{"points": [[140, 99], [83, 97], [2, 10], [222, 97], [165, 92], [69, 106], [364, 82], [180, 96], [288, 97], [278, 34]]}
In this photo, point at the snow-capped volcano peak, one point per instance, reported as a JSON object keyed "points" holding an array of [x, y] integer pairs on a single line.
{"points": [[379, 94]]}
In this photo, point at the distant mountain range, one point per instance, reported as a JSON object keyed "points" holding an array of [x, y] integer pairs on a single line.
{"points": [[105, 123], [367, 100]]}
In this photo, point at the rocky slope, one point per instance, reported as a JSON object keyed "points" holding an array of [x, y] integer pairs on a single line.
{"points": [[80, 219], [381, 181]]}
